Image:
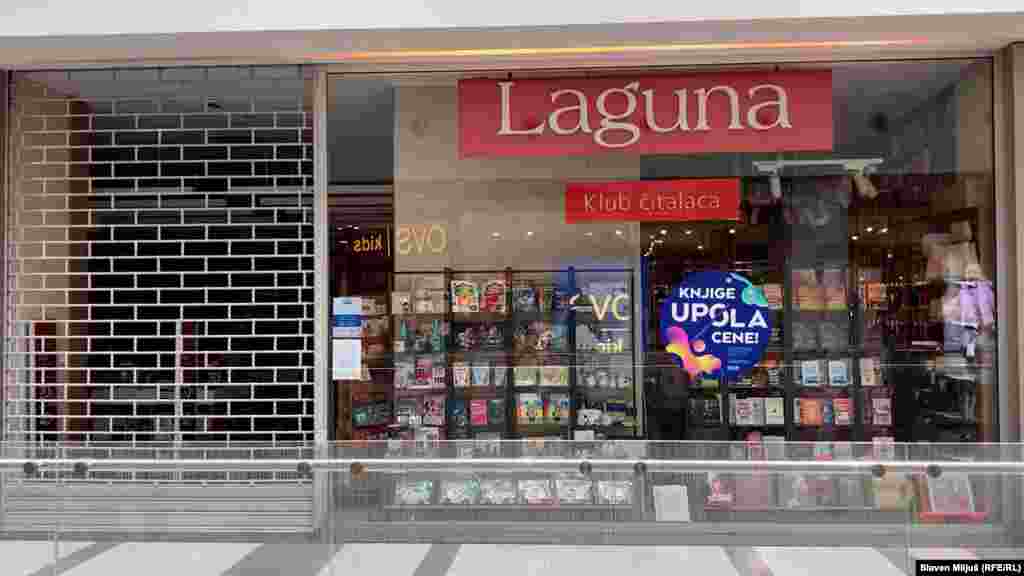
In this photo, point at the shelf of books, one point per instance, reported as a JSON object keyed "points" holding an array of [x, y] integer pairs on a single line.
{"points": [[511, 497], [504, 354]]}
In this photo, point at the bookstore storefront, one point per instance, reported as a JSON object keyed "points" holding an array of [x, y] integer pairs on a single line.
{"points": [[799, 252]]}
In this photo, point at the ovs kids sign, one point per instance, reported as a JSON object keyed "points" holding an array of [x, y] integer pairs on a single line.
{"points": [[713, 320]]}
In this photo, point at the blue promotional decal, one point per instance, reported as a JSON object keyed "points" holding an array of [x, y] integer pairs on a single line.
{"points": [[716, 320]]}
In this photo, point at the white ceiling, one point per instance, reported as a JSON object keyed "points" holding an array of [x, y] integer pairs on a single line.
{"points": [[714, 38], [66, 17]]}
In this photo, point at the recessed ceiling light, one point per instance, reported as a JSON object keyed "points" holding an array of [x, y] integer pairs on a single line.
{"points": [[530, 233], [618, 232], [854, 237], [588, 234], [889, 254], [356, 227], [495, 234], [869, 229], [689, 232], [732, 230], [700, 247], [664, 231], [883, 230]]}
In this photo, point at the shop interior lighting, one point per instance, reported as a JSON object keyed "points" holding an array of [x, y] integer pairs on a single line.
{"points": [[732, 230], [858, 168]]}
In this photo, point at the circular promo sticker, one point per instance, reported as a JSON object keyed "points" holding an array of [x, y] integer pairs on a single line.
{"points": [[714, 321]]}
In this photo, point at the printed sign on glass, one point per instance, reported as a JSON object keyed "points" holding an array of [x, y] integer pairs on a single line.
{"points": [[653, 200], [714, 322]]}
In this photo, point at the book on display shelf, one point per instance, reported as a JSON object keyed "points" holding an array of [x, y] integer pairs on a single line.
{"points": [[810, 375], [842, 411], [494, 297], [465, 296], [496, 411], [525, 376], [838, 373], [481, 375], [556, 409], [881, 409], [530, 408], [478, 412], [774, 411], [461, 374]]}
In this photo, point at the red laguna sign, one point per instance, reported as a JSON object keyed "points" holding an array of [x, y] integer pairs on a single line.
{"points": [[726, 112], [653, 200]]}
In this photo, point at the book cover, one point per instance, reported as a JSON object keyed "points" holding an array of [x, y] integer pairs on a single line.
{"points": [[867, 372], [743, 412], [556, 409], [826, 412], [884, 448], [774, 411], [773, 293], [424, 372], [712, 414], [838, 373], [459, 416], [525, 376], [524, 298], [478, 412], [758, 413], [809, 375], [494, 297], [496, 411], [460, 373], [530, 408], [465, 296], [499, 376], [401, 303], [881, 409], [951, 493], [811, 413], [554, 376], [432, 410], [405, 375], [842, 411], [481, 376], [440, 379], [536, 491], [721, 489]]}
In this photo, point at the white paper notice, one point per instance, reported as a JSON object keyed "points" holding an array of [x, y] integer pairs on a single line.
{"points": [[671, 503], [348, 359], [347, 318]]}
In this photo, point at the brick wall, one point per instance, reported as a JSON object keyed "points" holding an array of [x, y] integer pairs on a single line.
{"points": [[161, 255]]}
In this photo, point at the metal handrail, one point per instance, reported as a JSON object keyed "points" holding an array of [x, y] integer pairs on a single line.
{"points": [[358, 466]]}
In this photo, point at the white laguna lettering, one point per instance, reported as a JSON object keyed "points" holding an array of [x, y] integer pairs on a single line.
{"points": [[617, 106]]}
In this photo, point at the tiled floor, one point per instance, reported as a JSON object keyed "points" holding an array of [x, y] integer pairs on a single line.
{"points": [[234, 559]]}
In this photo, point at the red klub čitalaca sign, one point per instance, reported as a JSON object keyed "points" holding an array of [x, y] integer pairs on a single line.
{"points": [[658, 114], [653, 200]]}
